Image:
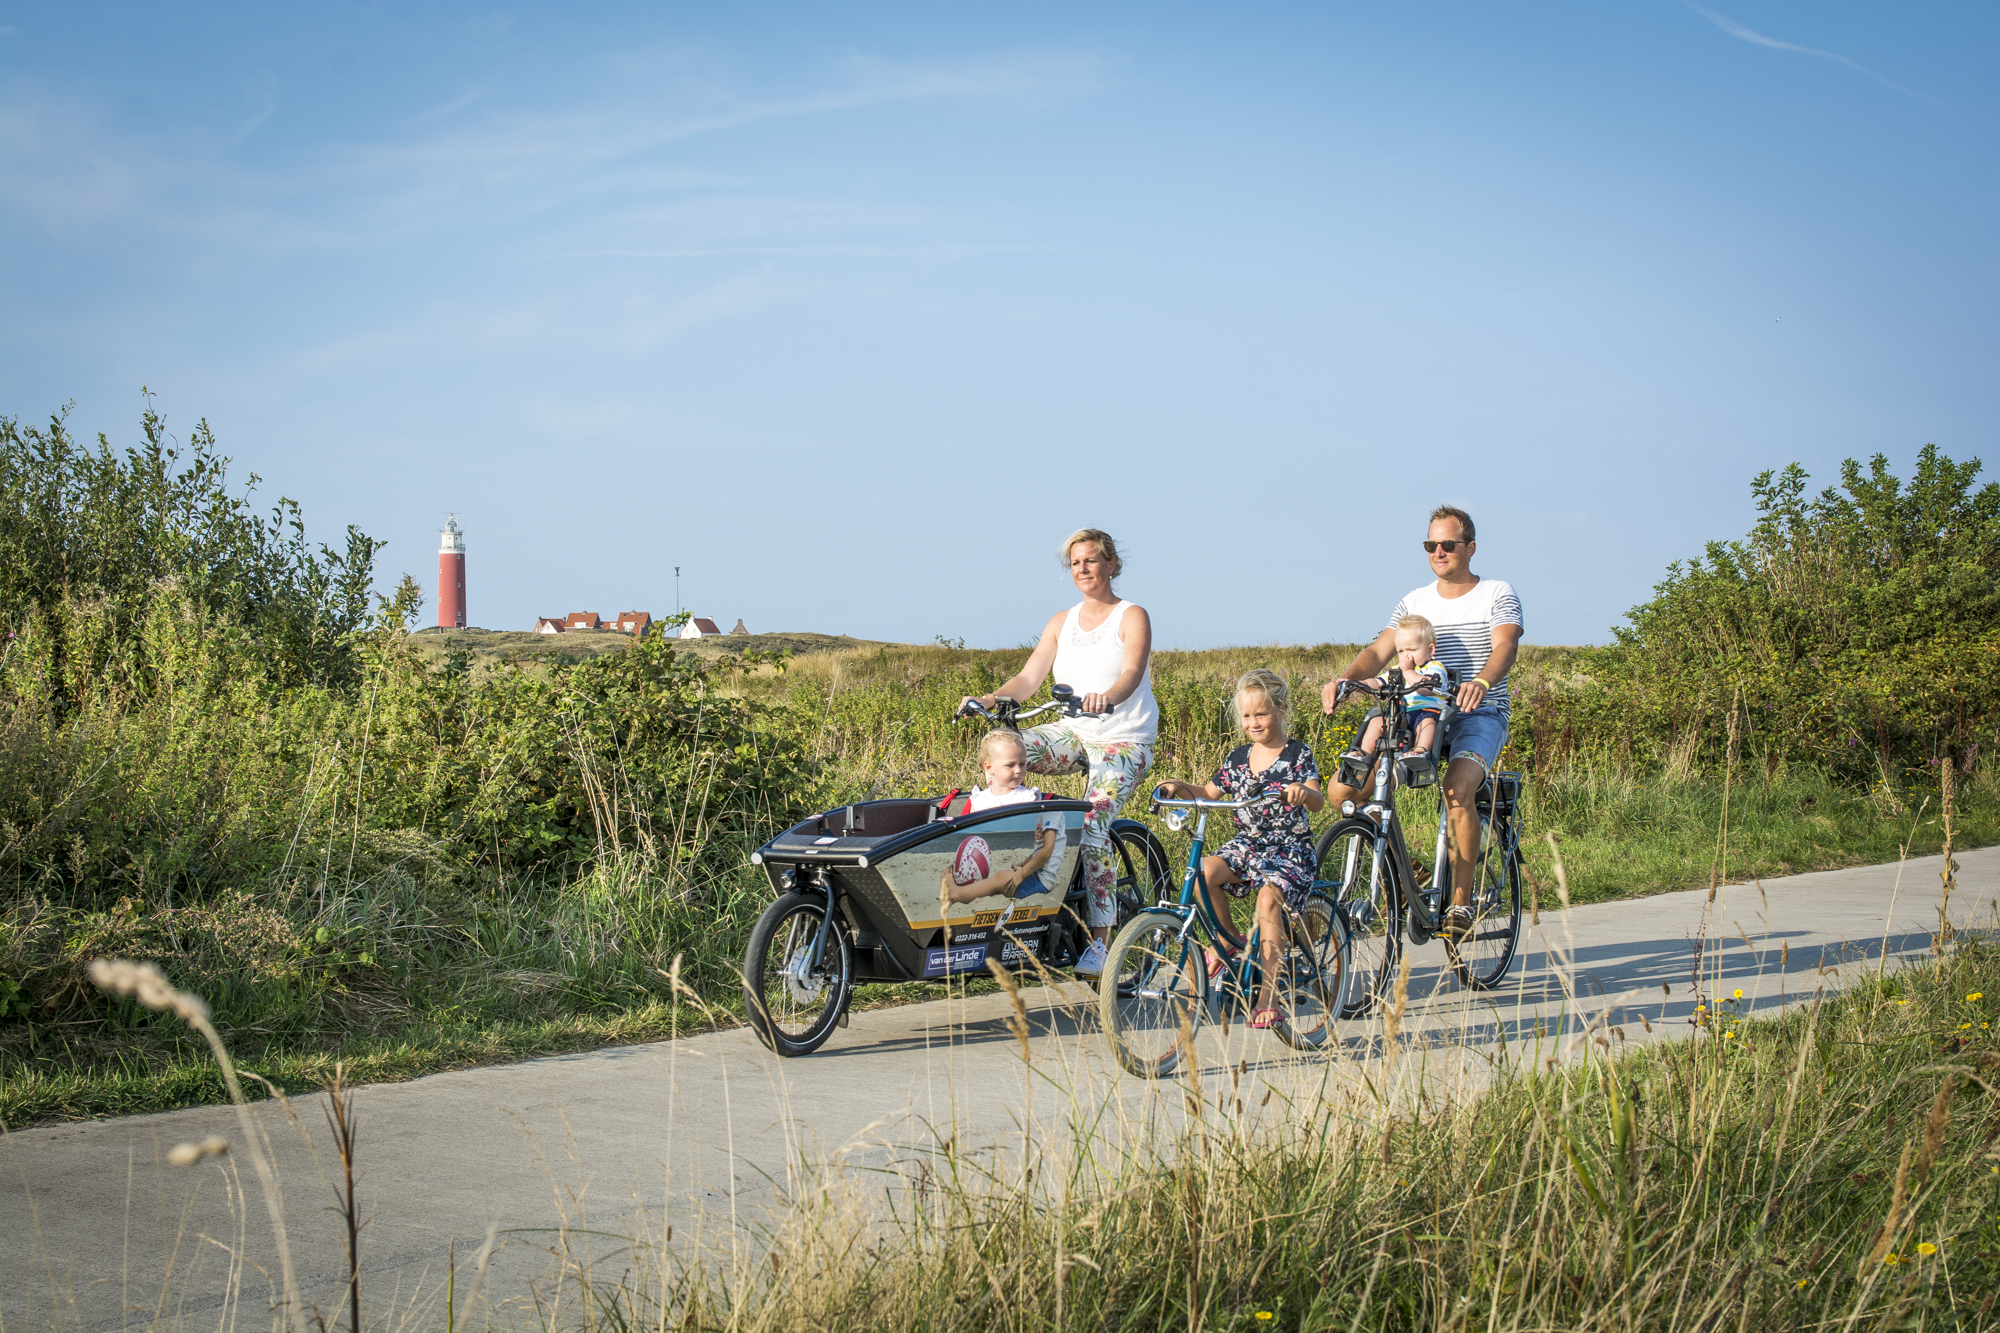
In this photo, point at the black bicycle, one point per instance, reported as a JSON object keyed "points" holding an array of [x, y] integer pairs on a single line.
{"points": [[1365, 866]]}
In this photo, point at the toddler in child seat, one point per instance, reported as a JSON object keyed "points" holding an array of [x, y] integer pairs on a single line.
{"points": [[1416, 640], [1272, 852], [1003, 758]]}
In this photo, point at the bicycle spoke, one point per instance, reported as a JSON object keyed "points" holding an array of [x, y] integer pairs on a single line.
{"points": [[1311, 974], [1481, 959], [1154, 986], [1368, 890]]}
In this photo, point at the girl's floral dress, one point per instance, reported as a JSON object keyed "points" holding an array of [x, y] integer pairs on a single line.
{"points": [[1273, 843]]}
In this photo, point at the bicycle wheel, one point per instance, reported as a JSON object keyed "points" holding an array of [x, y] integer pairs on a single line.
{"points": [[1145, 875], [1369, 890], [792, 1005], [1151, 996], [1483, 957], [1311, 974]]}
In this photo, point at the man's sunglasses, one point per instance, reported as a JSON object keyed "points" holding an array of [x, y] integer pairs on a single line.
{"points": [[1449, 547]]}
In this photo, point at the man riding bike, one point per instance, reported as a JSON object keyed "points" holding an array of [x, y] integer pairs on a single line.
{"points": [[1478, 623]]}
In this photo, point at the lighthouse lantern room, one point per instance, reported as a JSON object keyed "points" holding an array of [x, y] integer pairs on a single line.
{"points": [[451, 576]]}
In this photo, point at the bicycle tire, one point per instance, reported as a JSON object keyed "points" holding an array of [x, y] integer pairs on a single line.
{"points": [[1312, 973], [794, 1013], [1145, 873], [1152, 994], [1482, 959], [1371, 909]]}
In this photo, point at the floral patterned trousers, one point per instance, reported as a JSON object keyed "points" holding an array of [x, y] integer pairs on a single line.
{"points": [[1116, 769]]}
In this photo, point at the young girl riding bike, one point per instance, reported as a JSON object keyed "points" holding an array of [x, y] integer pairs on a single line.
{"points": [[1272, 854]]}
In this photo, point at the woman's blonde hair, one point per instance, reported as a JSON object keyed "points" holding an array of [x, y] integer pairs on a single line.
{"points": [[1422, 625], [1105, 547], [1276, 693], [1002, 736]]}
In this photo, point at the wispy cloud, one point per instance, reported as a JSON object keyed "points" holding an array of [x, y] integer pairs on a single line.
{"points": [[1737, 30], [455, 104]]}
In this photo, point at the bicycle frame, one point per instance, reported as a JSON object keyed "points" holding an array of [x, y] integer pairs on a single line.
{"points": [[1426, 906], [1200, 907]]}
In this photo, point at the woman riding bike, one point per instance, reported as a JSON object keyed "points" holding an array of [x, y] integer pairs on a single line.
{"points": [[1101, 648]]}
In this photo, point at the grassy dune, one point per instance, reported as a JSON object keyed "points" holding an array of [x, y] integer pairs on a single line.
{"points": [[407, 965]]}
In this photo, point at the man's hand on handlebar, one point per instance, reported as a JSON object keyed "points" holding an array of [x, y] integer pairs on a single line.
{"points": [[1336, 693]]}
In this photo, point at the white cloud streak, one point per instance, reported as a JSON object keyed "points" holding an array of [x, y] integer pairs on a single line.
{"points": [[1737, 30]]}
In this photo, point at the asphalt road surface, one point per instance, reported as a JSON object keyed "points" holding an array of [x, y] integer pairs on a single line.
{"points": [[710, 1134]]}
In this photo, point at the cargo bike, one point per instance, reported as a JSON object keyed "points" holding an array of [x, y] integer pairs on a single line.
{"points": [[859, 897]]}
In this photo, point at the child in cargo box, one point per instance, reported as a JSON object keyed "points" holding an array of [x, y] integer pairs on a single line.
{"points": [[1003, 758]]}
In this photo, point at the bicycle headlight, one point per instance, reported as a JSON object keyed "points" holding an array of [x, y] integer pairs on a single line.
{"points": [[1346, 809], [1177, 820]]}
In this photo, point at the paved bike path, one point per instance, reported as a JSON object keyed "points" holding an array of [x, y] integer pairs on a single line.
{"points": [[710, 1131]]}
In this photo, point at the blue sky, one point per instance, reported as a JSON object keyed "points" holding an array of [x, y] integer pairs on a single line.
{"points": [[852, 312]]}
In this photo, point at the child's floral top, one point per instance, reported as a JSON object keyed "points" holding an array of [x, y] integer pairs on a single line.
{"points": [[1272, 822]]}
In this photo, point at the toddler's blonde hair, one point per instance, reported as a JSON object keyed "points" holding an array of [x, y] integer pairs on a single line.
{"points": [[1422, 626], [1000, 736], [1276, 693]]}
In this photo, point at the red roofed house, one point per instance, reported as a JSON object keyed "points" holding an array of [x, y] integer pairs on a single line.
{"points": [[634, 623], [630, 622], [699, 628]]}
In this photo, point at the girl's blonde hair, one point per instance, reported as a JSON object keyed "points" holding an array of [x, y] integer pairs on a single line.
{"points": [[1276, 693], [1421, 625], [1105, 547], [1001, 736]]}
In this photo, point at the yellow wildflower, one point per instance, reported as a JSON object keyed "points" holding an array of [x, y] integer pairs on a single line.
{"points": [[1892, 1258], [1976, 995], [1266, 1314], [1926, 1249], [1739, 993]]}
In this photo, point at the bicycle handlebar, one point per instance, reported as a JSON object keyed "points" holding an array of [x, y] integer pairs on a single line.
{"points": [[1400, 686], [1068, 703], [1204, 803]]}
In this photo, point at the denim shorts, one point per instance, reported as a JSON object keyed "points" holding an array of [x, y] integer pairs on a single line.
{"points": [[1480, 734]]}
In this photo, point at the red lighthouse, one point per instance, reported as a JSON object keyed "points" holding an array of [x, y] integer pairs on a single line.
{"points": [[451, 576]]}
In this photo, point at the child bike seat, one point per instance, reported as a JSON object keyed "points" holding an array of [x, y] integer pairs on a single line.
{"points": [[1417, 770]]}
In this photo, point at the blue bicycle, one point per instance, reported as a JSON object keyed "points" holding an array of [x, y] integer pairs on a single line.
{"points": [[1156, 990]]}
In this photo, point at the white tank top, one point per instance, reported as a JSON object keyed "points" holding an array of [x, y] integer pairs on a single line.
{"points": [[1090, 663]]}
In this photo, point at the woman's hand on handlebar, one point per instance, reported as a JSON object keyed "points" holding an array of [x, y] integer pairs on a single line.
{"points": [[1096, 703]]}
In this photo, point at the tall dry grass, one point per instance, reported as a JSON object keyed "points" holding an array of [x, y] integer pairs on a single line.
{"points": [[1831, 1167]]}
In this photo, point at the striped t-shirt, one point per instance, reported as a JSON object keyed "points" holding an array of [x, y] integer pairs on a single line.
{"points": [[1465, 628]]}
